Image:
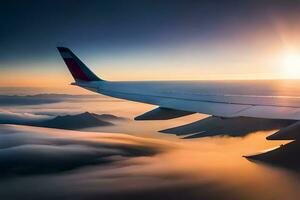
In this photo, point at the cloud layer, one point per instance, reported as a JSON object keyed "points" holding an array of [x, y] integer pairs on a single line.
{"points": [[27, 150], [43, 163], [9, 117], [18, 100]]}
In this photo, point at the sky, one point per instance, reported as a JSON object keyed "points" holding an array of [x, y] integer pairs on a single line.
{"points": [[149, 40]]}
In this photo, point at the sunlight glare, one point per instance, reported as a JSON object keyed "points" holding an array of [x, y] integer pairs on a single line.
{"points": [[290, 64]]}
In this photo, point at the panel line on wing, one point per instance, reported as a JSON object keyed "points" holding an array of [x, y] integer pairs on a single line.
{"points": [[196, 100]]}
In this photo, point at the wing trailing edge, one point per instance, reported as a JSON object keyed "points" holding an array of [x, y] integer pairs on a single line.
{"points": [[240, 126]]}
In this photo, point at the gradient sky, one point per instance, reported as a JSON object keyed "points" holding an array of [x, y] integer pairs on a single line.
{"points": [[149, 40]]}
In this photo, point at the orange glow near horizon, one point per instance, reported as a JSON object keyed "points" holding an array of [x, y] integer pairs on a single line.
{"points": [[288, 70]]}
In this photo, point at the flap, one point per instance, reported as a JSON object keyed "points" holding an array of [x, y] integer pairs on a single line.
{"points": [[162, 114]]}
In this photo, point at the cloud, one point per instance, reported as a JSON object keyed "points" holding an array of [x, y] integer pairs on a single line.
{"points": [[10, 117], [6, 100], [82, 165], [43, 163], [38, 99], [35, 151]]}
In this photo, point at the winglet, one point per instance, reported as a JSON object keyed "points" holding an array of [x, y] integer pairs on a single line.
{"points": [[78, 69]]}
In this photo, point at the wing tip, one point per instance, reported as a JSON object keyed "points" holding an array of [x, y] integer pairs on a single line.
{"points": [[62, 49]]}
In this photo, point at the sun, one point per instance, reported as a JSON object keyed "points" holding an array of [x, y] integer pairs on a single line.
{"points": [[290, 64]]}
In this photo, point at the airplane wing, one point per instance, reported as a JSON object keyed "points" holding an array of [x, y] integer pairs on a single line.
{"points": [[173, 100]]}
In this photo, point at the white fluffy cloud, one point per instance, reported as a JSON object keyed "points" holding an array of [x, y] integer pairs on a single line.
{"points": [[7, 116]]}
